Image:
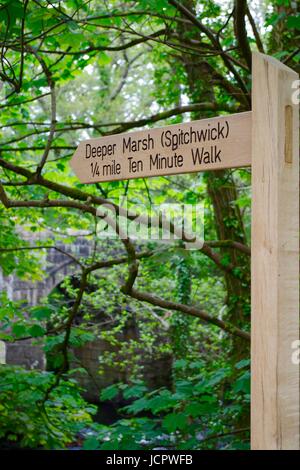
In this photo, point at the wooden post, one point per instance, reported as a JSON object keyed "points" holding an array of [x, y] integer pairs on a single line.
{"points": [[275, 257]]}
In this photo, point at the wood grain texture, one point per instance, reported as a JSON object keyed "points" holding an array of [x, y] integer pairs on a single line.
{"points": [[275, 257], [206, 144]]}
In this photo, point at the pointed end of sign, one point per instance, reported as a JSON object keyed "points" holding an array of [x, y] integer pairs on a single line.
{"points": [[77, 165]]}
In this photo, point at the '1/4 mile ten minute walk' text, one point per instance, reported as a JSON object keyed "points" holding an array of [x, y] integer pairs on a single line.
{"points": [[221, 142]]}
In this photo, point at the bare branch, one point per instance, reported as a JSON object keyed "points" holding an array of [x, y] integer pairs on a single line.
{"points": [[229, 244], [240, 11], [91, 199], [122, 126], [189, 310], [258, 41], [18, 103], [215, 42], [51, 85], [121, 47]]}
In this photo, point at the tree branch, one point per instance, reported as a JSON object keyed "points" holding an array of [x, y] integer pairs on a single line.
{"points": [[122, 126], [127, 288], [91, 199], [51, 85], [258, 41], [189, 310], [215, 42], [121, 47], [240, 11]]}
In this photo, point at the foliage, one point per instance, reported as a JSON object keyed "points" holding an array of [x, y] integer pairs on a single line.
{"points": [[73, 70], [29, 421], [188, 417]]}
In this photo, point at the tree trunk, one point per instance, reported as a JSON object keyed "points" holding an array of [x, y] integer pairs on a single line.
{"points": [[222, 192]]}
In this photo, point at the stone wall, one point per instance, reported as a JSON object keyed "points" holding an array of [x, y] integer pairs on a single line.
{"points": [[26, 354], [57, 266], [157, 371]]}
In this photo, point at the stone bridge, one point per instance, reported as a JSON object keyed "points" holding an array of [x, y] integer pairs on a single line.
{"points": [[57, 266], [29, 353]]}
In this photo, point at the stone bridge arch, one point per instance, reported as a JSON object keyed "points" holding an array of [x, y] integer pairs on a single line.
{"points": [[31, 355], [58, 265]]}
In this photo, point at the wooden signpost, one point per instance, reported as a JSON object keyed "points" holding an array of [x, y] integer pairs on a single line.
{"points": [[209, 144], [275, 257], [267, 139]]}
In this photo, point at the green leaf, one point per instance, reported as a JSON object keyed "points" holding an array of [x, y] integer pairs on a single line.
{"points": [[193, 409], [109, 392], [36, 330], [73, 26], [180, 364], [135, 391], [293, 22], [175, 421], [19, 330], [161, 402], [91, 443], [275, 18], [103, 58], [41, 313], [137, 406], [243, 383], [110, 445], [243, 363], [60, 166]]}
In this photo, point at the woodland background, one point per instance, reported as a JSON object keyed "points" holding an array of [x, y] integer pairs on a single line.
{"points": [[76, 69]]}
